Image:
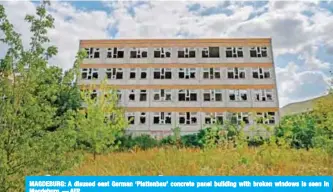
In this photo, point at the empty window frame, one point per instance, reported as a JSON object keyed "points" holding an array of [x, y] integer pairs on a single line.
{"points": [[238, 95], [162, 73], [143, 118], [143, 95], [211, 73], [234, 52], [210, 52], [131, 95], [93, 94], [114, 73], [188, 118], [143, 73], [238, 118], [187, 73], [162, 95], [131, 118], [236, 73], [162, 52], [187, 95], [93, 53], [261, 73], [88, 74], [132, 73], [212, 118], [119, 95], [162, 118], [265, 118], [139, 53], [258, 52], [212, 95], [186, 53], [263, 95], [115, 53]]}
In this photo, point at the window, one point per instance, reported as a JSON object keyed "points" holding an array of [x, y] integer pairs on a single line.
{"points": [[162, 73], [212, 95], [93, 53], [211, 73], [131, 95], [143, 73], [266, 118], [238, 118], [263, 95], [131, 118], [238, 95], [210, 52], [119, 95], [139, 53], [236, 73], [89, 74], [234, 52], [143, 95], [188, 118], [162, 52], [186, 73], [187, 95], [212, 118], [143, 118], [258, 52], [114, 73], [186, 53], [162, 95], [115, 53], [260, 73], [93, 94], [162, 118], [132, 73]]}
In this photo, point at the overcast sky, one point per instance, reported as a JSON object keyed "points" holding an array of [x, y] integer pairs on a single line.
{"points": [[302, 32]]}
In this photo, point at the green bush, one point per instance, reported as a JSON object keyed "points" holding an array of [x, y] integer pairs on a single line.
{"points": [[143, 142]]}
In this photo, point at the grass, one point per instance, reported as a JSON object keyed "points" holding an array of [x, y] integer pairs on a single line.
{"points": [[242, 161]]}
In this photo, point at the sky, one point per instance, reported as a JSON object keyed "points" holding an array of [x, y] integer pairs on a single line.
{"points": [[301, 31]]}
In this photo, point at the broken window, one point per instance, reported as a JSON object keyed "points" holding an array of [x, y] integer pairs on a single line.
{"points": [[139, 53], [143, 73], [161, 118], [187, 95], [93, 94], [234, 52], [265, 118], [186, 73], [236, 73], [162, 73], [162, 95], [212, 118], [211, 73], [93, 53], [162, 52], [114, 73], [212, 95], [131, 95], [258, 52], [188, 118], [143, 118], [115, 53], [261, 73], [238, 95], [186, 53], [238, 118], [143, 95], [210, 52], [131, 118], [132, 74], [263, 95], [88, 74]]}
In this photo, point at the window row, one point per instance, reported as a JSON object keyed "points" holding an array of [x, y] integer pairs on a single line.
{"points": [[192, 118], [181, 73], [239, 95], [185, 52]]}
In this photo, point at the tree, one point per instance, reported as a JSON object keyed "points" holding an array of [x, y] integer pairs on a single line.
{"points": [[102, 121], [28, 93]]}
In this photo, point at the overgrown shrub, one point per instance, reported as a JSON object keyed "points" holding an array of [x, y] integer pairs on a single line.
{"points": [[143, 142]]}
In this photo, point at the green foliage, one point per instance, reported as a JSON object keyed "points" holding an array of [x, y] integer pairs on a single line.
{"points": [[142, 142]]}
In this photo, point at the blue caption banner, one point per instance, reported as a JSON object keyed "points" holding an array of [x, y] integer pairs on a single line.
{"points": [[178, 183]]}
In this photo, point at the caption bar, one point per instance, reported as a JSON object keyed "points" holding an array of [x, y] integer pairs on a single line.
{"points": [[178, 183]]}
